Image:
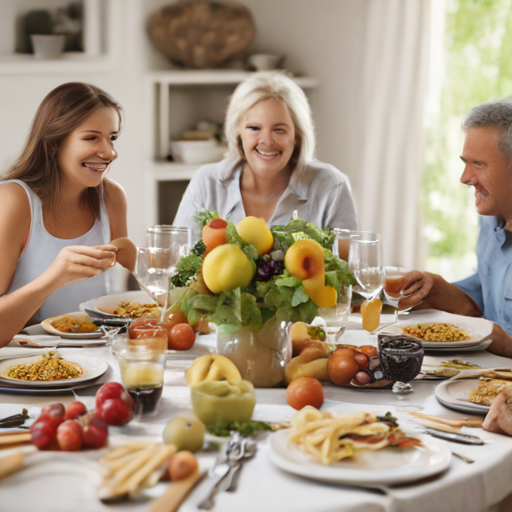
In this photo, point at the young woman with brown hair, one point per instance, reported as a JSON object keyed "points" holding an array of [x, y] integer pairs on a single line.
{"points": [[58, 211]]}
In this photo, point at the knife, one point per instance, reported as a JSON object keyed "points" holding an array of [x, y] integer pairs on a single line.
{"points": [[456, 438]]}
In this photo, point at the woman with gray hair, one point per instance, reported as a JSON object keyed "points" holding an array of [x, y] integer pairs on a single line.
{"points": [[270, 170]]}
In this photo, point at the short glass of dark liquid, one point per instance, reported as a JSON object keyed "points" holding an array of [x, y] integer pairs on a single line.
{"points": [[142, 365], [401, 358]]}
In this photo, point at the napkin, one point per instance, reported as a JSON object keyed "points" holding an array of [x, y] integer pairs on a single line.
{"points": [[16, 351]]}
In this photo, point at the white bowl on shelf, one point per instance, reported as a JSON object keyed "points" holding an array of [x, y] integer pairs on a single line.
{"points": [[197, 151]]}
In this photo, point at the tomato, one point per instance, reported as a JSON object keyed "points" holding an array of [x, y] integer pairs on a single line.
{"points": [[305, 391], [342, 366], [218, 223], [369, 350], [146, 328], [176, 316], [182, 464], [181, 337]]}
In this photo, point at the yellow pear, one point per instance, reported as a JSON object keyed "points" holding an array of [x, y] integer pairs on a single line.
{"points": [[256, 232]]}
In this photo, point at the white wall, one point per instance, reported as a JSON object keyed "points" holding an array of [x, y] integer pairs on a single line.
{"points": [[320, 38]]}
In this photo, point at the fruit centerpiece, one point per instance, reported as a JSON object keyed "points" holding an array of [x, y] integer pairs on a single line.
{"points": [[252, 281]]}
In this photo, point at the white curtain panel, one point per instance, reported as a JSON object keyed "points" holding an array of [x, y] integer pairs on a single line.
{"points": [[390, 113]]}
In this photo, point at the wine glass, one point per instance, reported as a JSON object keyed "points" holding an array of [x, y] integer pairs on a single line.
{"points": [[393, 284], [167, 237], [365, 261], [153, 269], [401, 358], [176, 239]]}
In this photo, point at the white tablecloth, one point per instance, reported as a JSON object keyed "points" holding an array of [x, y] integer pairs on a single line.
{"points": [[64, 486]]}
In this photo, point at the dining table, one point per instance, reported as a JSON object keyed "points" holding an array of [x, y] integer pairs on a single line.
{"points": [[61, 482]]}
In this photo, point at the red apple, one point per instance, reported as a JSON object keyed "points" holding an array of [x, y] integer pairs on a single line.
{"points": [[116, 412], [55, 409], [114, 405], [94, 430], [43, 431], [69, 436], [74, 410]]}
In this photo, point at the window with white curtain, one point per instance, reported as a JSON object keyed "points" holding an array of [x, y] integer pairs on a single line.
{"points": [[470, 63]]}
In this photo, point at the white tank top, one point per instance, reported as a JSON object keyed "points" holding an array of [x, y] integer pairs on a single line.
{"points": [[41, 251]]}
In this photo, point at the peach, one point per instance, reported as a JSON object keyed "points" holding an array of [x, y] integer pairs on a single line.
{"points": [[305, 260], [214, 234]]}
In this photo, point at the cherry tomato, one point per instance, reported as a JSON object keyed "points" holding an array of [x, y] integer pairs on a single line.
{"points": [[305, 391], [181, 337], [369, 350], [362, 360], [218, 223]]}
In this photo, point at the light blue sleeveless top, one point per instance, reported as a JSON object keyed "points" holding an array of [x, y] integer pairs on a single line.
{"points": [[41, 251]]}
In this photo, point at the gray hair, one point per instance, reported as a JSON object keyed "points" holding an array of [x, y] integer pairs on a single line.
{"points": [[497, 113], [264, 86]]}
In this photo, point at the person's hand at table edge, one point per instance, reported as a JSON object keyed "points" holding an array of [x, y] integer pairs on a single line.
{"points": [[423, 290]]}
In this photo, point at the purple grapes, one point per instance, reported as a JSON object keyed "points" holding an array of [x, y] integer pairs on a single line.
{"points": [[268, 268]]}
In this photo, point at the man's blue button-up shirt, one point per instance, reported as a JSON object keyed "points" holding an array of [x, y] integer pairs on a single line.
{"points": [[491, 286]]}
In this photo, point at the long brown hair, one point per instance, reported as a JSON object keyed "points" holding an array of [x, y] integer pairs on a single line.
{"points": [[62, 111]]}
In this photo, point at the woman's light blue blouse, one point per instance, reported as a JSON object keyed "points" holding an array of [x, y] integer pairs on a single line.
{"points": [[319, 192]]}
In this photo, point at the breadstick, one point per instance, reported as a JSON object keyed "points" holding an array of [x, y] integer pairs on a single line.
{"points": [[123, 450], [163, 453], [129, 469]]}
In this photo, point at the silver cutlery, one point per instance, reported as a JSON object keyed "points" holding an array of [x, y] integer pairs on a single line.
{"points": [[227, 466], [463, 457], [456, 438], [250, 448]]}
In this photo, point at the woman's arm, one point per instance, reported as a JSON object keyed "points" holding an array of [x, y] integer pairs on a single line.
{"points": [[116, 205], [73, 264]]}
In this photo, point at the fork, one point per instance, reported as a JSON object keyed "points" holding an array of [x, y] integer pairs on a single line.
{"points": [[235, 452]]}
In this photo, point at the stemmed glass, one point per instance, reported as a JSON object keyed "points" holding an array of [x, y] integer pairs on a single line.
{"points": [[393, 283], [365, 261], [156, 264]]}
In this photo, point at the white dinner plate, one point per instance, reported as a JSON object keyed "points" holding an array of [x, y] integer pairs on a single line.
{"points": [[93, 368], [47, 325], [367, 468], [106, 304], [479, 329], [454, 394]]}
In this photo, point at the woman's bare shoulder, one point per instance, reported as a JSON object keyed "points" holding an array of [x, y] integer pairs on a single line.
{"points": [[115, 194], [14, 202]]}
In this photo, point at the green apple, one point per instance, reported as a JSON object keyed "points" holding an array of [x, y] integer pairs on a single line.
{"points": [[186, 432]]}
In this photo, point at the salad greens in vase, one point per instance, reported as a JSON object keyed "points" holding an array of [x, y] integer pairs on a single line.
{"points": [[252, 281]]}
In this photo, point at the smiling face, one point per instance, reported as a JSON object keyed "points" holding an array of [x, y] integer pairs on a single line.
{"points": [[268, 137], [488, 171], [85, 154]]}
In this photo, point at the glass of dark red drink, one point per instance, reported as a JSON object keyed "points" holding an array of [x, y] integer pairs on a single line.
{"points": [[401, 358], [142, 365]]}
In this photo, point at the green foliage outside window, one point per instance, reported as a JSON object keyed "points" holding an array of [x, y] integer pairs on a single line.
{"points": [[477, 68]]}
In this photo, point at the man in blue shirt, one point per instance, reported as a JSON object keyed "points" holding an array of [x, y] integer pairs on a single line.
{"points": [[487, 155]]}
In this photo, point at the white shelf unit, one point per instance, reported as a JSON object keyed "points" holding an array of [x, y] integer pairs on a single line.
{"points": [[99, 36], [177, 99]]}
